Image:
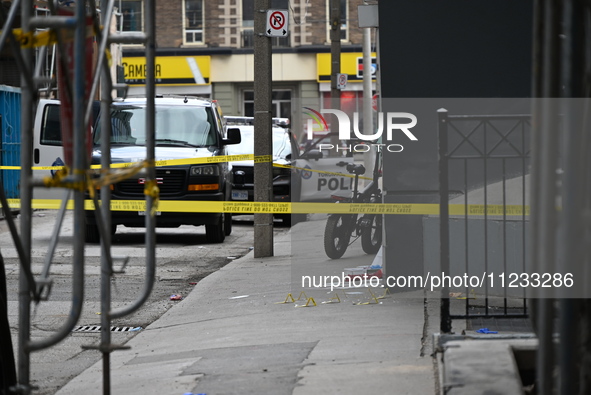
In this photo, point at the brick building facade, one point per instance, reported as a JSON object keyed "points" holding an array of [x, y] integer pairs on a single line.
{"points": [[205, 48], [217, 37]]}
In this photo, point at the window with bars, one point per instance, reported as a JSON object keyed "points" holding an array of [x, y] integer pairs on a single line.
{"points": [[193, 21], [280, 107], [131, 15], [247, 31], [344, 19]]}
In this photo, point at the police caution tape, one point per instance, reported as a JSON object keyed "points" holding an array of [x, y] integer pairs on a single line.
{"points": [[291, 208], [197, 161]]}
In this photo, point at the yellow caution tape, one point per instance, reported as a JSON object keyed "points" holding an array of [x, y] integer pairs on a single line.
{"points": [[263, 159], [161, 163], [32, 39], [151, 189], [291, 208], [195, 161], [45, 37]]}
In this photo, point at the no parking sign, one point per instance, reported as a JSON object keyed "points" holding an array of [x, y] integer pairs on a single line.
{"points": [[341, 81], [277, 23]]}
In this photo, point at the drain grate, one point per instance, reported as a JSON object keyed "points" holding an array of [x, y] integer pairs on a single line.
{"points": [[97, 328]]}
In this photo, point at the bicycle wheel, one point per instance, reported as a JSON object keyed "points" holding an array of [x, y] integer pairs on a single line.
{"points": [[336, 236], [371, 234]]}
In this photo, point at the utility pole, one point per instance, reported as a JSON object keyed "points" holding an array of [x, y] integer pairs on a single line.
{"points": [[367, 95], [263, 170], [335, 59], [368, 19]]}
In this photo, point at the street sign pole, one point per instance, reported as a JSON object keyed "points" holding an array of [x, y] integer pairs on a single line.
{"points": [[367, 95], [263, 170], [335, 58]]}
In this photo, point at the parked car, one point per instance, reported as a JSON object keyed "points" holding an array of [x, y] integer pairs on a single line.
{"points": [[285, 151], [185, 128]]}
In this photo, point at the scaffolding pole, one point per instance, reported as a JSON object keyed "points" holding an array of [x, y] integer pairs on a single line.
{"points": [[81, 93]]}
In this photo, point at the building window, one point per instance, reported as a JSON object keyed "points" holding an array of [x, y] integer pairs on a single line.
{"points": [[344, 19], [131, 15], [248, 10], [279, 4], [193, 21], [248, 13], [247, 28], [280, 106], [247, 31]]}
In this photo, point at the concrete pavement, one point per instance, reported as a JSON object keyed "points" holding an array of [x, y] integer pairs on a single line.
{"points": [[232, 334]]}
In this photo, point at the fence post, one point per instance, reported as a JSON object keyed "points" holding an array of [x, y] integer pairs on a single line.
{"points": [[445, 319]]}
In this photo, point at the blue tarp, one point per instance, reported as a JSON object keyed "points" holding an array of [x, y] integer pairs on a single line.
{"points": [[10, 143]]}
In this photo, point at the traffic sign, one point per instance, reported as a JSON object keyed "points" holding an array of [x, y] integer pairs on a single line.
{"points": [[277, 23], [341, 81]]}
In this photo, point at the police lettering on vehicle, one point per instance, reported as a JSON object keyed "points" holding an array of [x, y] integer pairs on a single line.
{"points": [[334, 183]]}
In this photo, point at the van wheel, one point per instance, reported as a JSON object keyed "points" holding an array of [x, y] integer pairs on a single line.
{"points": [[228, 224], [286, 220], [93, 235], [215, 233]]}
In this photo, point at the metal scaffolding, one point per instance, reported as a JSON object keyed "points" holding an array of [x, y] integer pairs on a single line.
{"points": [[76, 18], [561, 178]]}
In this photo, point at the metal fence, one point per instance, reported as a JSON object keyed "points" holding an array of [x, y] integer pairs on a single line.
{"points": [[483, 175]]}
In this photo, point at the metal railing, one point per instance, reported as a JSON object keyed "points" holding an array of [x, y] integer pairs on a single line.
{"points": [[487, 158]]}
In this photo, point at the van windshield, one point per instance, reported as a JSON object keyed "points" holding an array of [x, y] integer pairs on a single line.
{"points": [[175, 126]]}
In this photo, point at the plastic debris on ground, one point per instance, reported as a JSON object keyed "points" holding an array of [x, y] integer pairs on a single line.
{"points": [[485, 330], [176, 297], [364, 271]]}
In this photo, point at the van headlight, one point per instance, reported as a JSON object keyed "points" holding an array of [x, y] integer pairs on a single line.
{"points": [[209, 170]]}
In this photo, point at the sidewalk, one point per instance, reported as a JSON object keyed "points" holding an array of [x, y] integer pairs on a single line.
{"points": [[231, 335]]}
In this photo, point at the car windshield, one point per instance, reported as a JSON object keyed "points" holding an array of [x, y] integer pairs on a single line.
{"points": [[281, 144], [313, 143], [175, 126]]}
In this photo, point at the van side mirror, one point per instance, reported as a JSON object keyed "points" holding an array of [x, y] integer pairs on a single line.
{"points": [[313, 154], [233, 137]]}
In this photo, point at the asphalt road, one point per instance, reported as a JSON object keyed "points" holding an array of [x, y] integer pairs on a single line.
{"points": [[183, 258]]}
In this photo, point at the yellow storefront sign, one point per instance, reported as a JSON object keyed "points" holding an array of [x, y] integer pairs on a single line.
{"points": [[351, 64], [169, 70]]}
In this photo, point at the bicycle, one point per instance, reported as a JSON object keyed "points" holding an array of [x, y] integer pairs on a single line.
{"points": [[341, 227]]}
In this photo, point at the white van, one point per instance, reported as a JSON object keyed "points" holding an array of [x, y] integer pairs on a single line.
{"points": [[47, 144], [186, 128]]}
